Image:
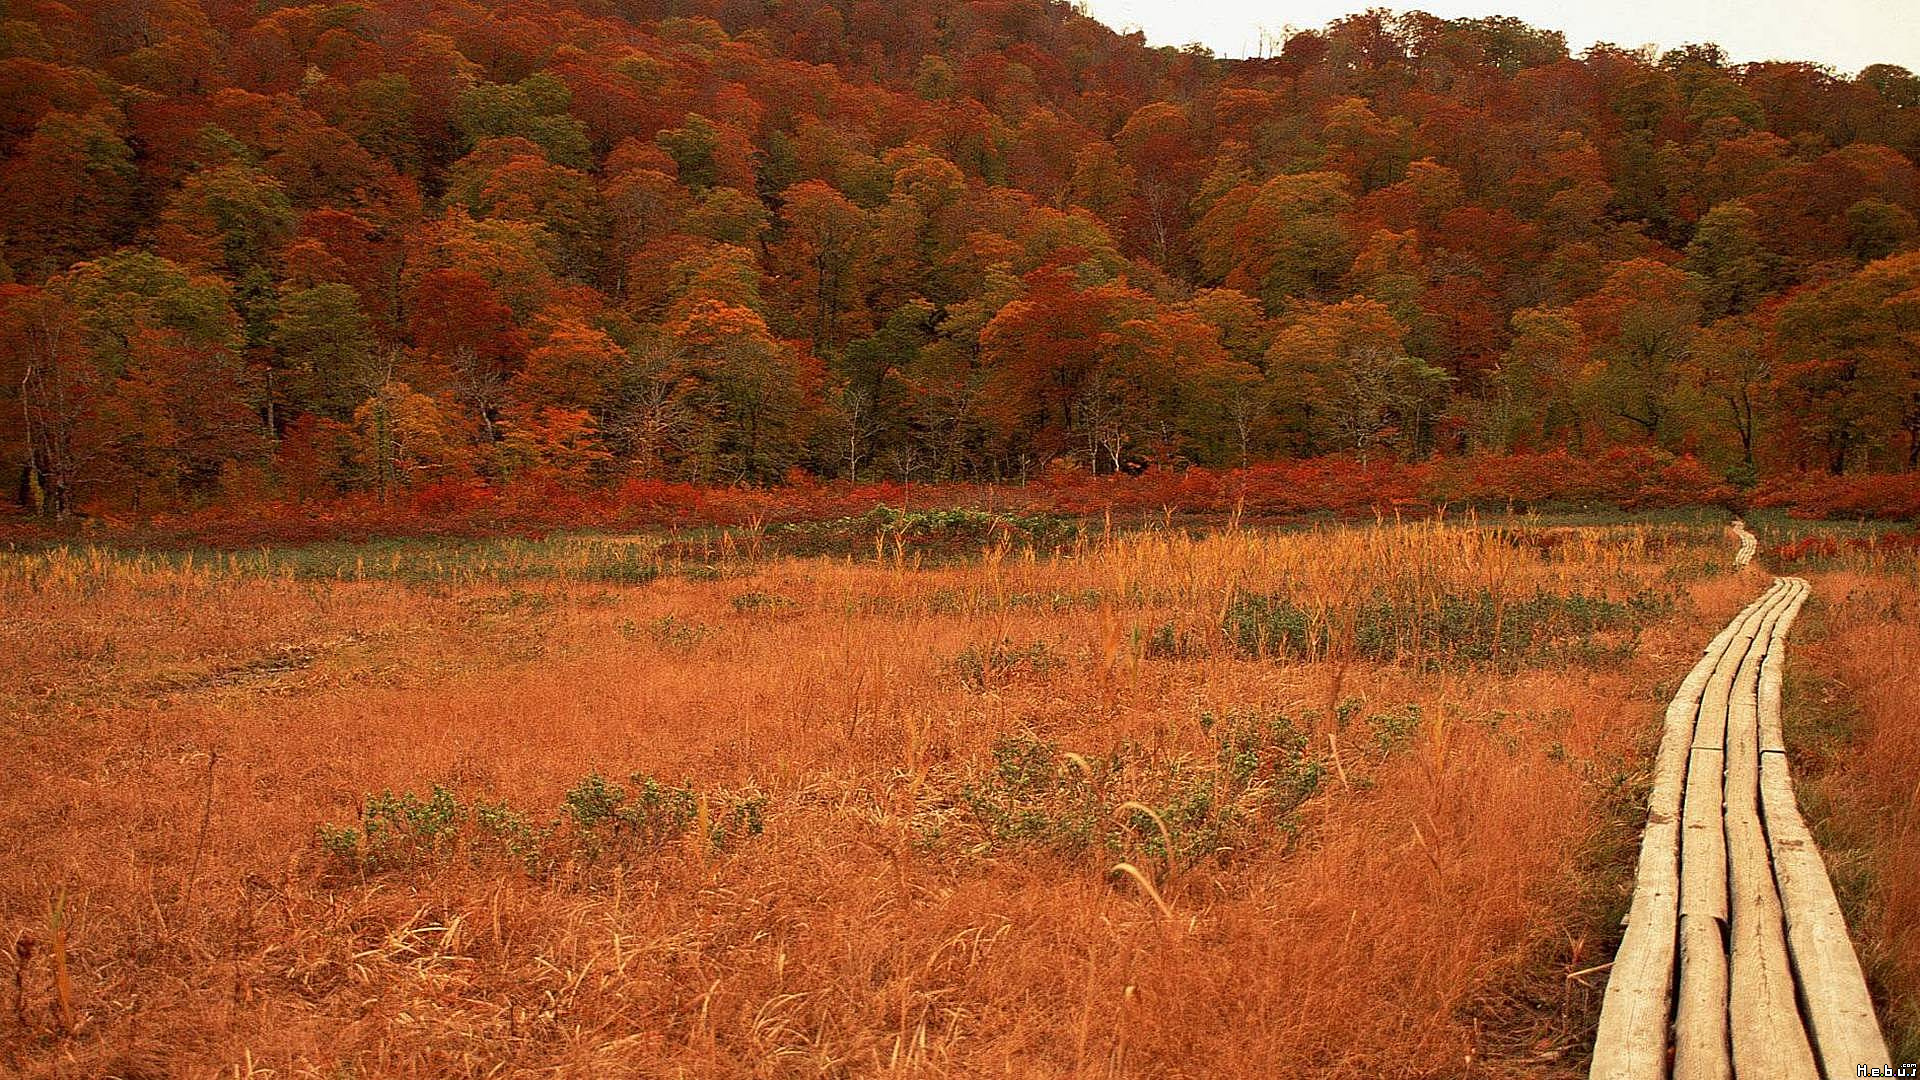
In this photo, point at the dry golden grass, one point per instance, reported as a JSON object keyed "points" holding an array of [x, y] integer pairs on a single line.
{"points": [[1857, 754], [176, 734]]}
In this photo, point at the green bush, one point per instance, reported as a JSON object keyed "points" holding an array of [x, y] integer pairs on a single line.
{"points": [[968, 524], [982, 666], [598, 821], [1167, 814], [1169, 641], [749, 602]]}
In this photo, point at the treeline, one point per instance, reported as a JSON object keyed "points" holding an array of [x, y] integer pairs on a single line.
{"points": [[849, 517], [260, 253]]}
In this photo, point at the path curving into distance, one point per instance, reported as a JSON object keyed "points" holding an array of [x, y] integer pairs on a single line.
{"points": [[1736, 959], [1748, 542]]}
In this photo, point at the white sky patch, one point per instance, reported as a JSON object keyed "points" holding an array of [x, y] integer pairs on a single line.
{"points": [[1846, 35]]}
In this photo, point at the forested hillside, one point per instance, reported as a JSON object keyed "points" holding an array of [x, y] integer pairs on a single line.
{"points": [[291, 252]]}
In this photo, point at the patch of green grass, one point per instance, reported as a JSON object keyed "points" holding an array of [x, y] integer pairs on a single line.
{"points": [[968, 524], [1774, 526], [982, 666], [1552, 515], [1127, 805], [671, 631], [1466, 628], [599, 821], [1394, 730], [749, 603], [418, 562], [1170, 641]]}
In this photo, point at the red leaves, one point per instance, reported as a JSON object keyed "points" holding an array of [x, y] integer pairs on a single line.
{"points": [[570, 369], [1341, 485], [1885, 496], [454, 309], [549, 498], [1628, 477], [1827, 547]]}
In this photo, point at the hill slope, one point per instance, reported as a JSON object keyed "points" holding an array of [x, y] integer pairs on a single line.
{"points": [[362, 246]]}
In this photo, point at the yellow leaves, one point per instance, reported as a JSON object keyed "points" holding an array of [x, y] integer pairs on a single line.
{"points": [[727, 215], [1280, 239], [1154, 136], [572, 369], [931, 181], [1548, 347], [1636, 284], [727, 273], [1047, 233], [1390, 268], [565, 442], [712, 323], [1342, 370], [1350, 121], [1324, 334], [400, 433], [511, 255]]}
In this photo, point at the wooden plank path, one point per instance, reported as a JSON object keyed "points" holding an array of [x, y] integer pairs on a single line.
{"points": [[1736, 960], [1748, 542]]}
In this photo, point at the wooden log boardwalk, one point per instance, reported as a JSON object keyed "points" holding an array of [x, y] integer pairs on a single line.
{"points": [[1736, 960], [1748, 543]]}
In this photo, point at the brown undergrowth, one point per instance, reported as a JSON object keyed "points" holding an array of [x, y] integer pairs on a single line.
{"points": [[1151, 804], [1853, 694]]}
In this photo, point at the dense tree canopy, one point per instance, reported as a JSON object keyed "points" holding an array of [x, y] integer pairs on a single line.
{"points": [[362, 246]]}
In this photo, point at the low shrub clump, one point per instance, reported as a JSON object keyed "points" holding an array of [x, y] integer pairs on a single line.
{"points": [[599, 821], [962, 524], [980, 667], [1129, 806], [1476, 627], [670, 631], [748, 603], [1822, 550]]}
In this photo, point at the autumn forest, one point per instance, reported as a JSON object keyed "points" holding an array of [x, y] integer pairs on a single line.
{"points": [[370, 248]]}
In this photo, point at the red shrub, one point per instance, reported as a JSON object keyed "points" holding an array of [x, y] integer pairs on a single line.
{"points": [[1623, 477], [1886, 496]]}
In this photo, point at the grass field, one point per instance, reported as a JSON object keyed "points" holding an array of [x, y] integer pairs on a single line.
{"points": [[944, 797]]}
